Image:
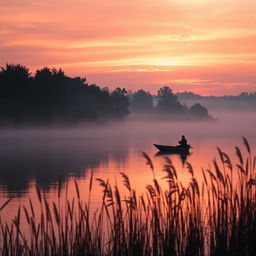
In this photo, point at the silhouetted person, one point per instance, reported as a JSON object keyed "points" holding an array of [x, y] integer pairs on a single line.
{"points": [[183, 141]]}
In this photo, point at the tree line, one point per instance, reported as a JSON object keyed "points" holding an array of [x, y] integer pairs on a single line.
{"points": [[166, 103], [245, 101], [50, 96]]}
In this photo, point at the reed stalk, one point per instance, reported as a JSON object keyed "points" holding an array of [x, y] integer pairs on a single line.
{"points": [[216, 216]]}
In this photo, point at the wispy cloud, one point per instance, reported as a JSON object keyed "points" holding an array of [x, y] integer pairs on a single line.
{"points": [[165, 40]]}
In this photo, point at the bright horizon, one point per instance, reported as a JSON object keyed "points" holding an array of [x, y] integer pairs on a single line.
{"points": [[207, 47]]}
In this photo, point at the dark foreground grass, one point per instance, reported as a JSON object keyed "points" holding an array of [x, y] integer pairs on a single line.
{"points": [[214, 217]]}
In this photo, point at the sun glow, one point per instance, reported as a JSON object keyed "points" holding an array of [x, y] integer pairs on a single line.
{"points": [[190, 2], [166, 62], [214, 38]]}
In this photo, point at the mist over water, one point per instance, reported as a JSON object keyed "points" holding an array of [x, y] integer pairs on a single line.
{"points": [[30, 157]]}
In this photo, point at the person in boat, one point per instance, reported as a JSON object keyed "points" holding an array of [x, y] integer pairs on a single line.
{"points": [[183, 141]]}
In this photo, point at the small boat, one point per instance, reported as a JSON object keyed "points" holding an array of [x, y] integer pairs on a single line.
{"points": [[174, 149]]}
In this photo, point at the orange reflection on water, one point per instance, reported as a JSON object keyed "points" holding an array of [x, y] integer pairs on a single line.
{"points": [[41, 158]]}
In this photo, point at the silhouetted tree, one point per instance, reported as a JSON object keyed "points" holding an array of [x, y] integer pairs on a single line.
{"points": [[51, 96], [197, 110], [15, 84], [168, 102], [120, 102], [142, 101], [244, 101]]}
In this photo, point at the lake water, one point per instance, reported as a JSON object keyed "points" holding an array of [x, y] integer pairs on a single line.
{"points": [[42, 156]]}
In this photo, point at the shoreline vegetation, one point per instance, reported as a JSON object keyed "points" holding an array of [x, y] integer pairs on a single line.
{"points": [[212, 216], [245, 101], [50, 97]]}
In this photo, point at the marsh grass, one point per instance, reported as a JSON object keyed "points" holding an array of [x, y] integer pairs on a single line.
{"points": [[216, 216]]}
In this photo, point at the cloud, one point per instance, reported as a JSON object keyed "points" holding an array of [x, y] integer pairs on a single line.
{"points": [[137, 38]]}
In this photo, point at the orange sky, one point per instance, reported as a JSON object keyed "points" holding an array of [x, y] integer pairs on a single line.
{"points": [[204, 46]]}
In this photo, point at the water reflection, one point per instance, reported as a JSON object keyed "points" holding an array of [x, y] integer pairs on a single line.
{"points": [[45, 161], [42, 157], [182, 155]]}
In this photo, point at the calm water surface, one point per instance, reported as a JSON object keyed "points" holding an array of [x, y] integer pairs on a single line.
{"points": [[41, 157]]}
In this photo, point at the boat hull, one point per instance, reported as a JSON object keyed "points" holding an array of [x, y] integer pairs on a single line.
{"points": [[178, 149]]}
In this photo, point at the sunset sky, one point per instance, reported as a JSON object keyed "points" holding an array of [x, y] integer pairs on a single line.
{"points": [[204, 46]]}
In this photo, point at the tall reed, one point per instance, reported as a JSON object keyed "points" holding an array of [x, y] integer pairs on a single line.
{"points": [[216, 216]]}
